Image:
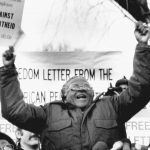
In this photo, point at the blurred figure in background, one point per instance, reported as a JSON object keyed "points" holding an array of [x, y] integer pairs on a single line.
{"points": [[121, 85], [117, 145], [6, 143], [100, 145], [27, 140], [126, 144]]}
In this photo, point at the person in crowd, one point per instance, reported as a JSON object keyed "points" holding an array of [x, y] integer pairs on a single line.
{"points": [[77, 121], [133, 146], [121, 85], [6, 142], [100, 145], [112, 91], [126, 144], [144, 147], [27, 140], [117, 145]]}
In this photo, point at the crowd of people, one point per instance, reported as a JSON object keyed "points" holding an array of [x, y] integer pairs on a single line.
{"points": [[6, 142], [26, 140]]}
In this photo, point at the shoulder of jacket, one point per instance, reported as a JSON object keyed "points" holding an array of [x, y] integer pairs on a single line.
{"points": [[60, 104], [57, 102], [101, 99]]}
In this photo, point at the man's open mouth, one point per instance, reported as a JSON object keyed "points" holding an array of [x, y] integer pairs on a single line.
{"points": [[81, 96]]}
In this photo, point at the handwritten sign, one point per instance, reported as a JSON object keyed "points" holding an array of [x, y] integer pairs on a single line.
{"points": [[10, 20]]}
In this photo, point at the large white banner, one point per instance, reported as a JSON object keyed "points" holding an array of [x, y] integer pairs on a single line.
{"points": [[42, 74], [87, 25], [138, 127], [10, 20]]}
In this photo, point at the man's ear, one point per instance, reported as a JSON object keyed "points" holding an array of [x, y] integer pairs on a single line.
{"points": [[18, 134]]}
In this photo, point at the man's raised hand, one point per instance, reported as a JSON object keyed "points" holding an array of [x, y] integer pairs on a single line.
{"points": [[8, 57]]}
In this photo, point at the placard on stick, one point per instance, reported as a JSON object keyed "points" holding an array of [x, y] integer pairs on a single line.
{"points": [[10, 21]]}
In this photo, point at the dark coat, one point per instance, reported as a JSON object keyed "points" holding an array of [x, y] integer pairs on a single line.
{"points": [[63, 126]]}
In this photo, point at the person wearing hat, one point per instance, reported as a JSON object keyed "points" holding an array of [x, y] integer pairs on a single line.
{"points": [[6, 142], [77, 122], [122, 84]]}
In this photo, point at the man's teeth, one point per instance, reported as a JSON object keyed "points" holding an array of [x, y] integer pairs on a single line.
{"points": [[81, 96]]}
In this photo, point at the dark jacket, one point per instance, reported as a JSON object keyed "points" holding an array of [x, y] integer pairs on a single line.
{"points": [[63, 126]]}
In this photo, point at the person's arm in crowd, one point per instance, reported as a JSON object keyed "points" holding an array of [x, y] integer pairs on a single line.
{"points": [[14, 109], [137, 95]]}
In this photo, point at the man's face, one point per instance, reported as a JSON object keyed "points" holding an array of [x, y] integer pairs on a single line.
{"points": [[29, 138], [124, 86], [79, 93], [5, 145]]}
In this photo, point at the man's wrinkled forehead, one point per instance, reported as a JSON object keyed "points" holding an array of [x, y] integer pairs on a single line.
{"points": [[78, 80]]}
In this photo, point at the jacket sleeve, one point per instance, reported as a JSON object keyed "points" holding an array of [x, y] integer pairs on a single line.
{"points": [[14, 109], [137, 95]]}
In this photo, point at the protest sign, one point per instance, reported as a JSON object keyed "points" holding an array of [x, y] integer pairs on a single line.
{"points": [[10, 21], [138, 127]]}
